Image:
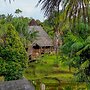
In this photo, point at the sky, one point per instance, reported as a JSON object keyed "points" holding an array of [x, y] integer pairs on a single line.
{"points": [[26, 6]]}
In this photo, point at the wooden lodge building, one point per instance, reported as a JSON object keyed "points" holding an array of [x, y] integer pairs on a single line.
{"points": [[42, 44]]}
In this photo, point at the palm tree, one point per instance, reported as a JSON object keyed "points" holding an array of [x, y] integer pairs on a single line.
{"points": [[9, 1], [52, 11], [76, 48], [72, 8], [18, 11]]}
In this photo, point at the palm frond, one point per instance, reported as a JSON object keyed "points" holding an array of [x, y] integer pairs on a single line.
{"points": [[77, 46], [85, 64], [82, 50], [73, 8], [87, 41]]}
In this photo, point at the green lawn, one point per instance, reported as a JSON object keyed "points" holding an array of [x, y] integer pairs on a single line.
{"points": [[49, 71]]}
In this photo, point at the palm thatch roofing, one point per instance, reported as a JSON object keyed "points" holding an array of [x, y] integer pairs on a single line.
{"points": [[42, 38], [33, 23]]}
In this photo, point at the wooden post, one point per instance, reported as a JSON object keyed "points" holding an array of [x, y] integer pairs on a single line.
{"points": [[42, 86]]}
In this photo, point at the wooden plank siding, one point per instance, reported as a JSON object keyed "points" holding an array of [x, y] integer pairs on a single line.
{"points": [[37, 52]]}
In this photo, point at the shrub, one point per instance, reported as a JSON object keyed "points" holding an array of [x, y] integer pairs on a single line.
{"points": [[13, 57]]}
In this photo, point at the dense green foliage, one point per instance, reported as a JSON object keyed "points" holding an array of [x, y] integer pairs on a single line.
{"points": [[14, 39], [71, 9], [76, 50], [76, 41], [21, 26], [13, 57], [54, 77]]}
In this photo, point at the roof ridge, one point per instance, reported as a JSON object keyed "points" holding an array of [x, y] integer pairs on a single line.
{"points": [[33, 23]]}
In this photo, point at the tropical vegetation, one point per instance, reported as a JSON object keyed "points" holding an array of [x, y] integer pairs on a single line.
{"points": [[13, 57], [68, 24]]}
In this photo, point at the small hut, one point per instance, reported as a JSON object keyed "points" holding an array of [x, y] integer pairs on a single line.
{"points": [[42, 44]]}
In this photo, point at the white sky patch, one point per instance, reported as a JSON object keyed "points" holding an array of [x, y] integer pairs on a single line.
{"points": [[26, 6]]}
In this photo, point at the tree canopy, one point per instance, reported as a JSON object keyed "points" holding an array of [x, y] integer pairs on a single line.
{"points": [[13, 57]]}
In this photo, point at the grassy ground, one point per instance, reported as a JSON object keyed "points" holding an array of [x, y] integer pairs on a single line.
{"points": [[50, 71], [1, 78]]}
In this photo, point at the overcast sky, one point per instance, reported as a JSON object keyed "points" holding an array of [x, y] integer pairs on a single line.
{"points": [[26, 6]]}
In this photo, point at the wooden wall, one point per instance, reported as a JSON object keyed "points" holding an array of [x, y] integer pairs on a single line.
{"points": [[42, 50]]}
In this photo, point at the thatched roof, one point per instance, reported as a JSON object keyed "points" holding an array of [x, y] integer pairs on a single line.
{"points": [[33, 23], [42, 39]]}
